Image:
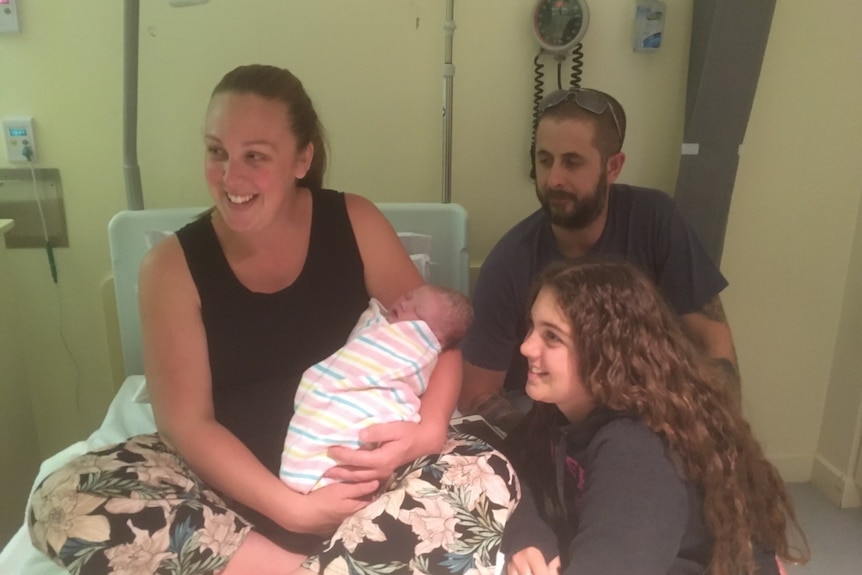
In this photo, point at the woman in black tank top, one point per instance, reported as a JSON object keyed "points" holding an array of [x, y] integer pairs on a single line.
{"points": [[234, 309]]}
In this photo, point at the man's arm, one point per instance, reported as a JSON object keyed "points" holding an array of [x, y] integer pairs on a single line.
{"points": [[709, 330], [481, 394]]}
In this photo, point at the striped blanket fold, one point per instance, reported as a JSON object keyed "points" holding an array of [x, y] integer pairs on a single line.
{"points": [[376, 377]]}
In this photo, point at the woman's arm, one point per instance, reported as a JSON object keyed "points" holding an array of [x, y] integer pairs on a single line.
{"points": [[389, 273], [179, 382]]}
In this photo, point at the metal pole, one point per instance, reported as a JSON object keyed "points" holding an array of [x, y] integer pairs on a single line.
{"points": [[448, 79], [131, 170]]}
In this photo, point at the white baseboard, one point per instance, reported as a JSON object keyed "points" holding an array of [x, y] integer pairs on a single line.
{"points": [[793, 468], [837, 486], [852, 494], [828, 480]]}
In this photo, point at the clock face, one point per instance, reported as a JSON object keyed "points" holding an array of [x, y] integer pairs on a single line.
{"points": [[560, 24]]}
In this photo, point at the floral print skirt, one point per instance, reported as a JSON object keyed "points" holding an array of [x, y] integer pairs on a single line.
{"points": [[135, 507]]}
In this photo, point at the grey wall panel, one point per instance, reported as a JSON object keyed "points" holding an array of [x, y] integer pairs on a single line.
{"points": [[728, 41]]}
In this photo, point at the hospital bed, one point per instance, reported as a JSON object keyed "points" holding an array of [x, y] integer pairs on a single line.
{"points": [[130, 235]]}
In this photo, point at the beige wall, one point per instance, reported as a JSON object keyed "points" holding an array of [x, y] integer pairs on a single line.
{"points": [[64, 70], [19, 449], [835, 464], [374, 70], [792, 222]]}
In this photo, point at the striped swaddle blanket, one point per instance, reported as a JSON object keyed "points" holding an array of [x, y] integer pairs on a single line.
{"points": [[376, 377]]}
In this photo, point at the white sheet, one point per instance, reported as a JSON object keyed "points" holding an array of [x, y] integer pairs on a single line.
{"points": [[125, 418]]}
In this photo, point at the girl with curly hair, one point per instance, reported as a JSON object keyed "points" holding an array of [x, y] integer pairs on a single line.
{"points": [[635, 457]]}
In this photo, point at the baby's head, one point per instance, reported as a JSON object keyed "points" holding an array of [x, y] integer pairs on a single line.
{"points": [[446, 311]]}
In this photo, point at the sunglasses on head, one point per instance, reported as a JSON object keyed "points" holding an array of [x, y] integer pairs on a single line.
{"points": [[587, 99]]}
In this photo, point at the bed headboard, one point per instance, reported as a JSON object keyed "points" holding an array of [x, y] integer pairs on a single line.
{"points": [[128, 231]]}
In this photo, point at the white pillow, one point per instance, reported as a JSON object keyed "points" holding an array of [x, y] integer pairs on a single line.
{"points": [[415, 243], [419, 248], [152, 237], [423, 264]]}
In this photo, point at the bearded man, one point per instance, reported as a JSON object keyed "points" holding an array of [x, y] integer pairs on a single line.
{"points": [[584, 213]]}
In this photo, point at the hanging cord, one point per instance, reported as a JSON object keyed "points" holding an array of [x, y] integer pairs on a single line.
{"points": [[28, 153], [77, 369], [538, 92], [577, 66]]}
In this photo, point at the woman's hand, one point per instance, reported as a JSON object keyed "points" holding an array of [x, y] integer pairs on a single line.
{"points": [[530, 561], [328, 506], [394, 443]]}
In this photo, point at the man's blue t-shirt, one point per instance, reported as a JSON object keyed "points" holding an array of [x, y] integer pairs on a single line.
{"points": [[643, 227]]}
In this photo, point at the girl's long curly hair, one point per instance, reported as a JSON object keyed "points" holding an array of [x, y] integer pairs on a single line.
{"points": [[634, 358]]}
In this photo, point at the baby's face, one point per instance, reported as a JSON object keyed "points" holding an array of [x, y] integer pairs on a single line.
{"points": [[423, 303]]}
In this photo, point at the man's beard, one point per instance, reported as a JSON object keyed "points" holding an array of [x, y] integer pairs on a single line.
{"points": [[585, 209]]}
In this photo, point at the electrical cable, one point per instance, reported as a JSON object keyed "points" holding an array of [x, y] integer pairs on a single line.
{"points": [[49, 249], [538, 92], [539, 89], [65, 343], [27, 152], [577, 66]]}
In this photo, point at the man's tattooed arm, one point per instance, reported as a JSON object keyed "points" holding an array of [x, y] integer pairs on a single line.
{"points": [[714, 310], [709, 329]]}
